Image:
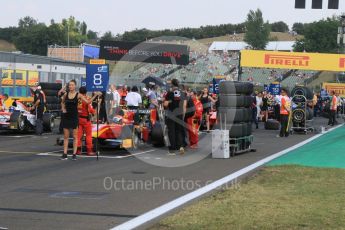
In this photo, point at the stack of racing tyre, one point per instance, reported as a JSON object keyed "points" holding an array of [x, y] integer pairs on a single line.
{"points": [[235, 113], [301, 113], [51, 90]]}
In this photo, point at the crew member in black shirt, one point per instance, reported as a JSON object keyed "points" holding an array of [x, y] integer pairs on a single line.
{"points": [[176, 105], [38, 109]]}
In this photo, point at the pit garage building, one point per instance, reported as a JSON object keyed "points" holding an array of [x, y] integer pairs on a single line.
{"points": [[21, 71]]}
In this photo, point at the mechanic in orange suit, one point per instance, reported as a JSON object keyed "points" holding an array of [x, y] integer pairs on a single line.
{"points": [[193, 123], [123, 93], [85, 111]]}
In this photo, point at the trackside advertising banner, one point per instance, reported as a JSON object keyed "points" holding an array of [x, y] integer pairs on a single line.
{"points": [[292, 60], [336, 87], [144, 52]]}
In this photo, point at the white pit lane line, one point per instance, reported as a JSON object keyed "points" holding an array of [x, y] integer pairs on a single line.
{"points": [[44, 135], [54, 153], [19, 152], [17, 136]]}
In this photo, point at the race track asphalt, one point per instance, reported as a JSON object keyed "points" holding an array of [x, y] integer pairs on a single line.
{"points": [[38, 191]]}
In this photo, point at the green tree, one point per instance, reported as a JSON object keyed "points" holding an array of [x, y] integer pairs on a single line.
{"points": [[27, 22], [319, 37], [299, 46], [298, 27], [83, 28], [33, 37], [279, 27], [34, 40], [75, 30], [257, 31], [55, 34], [9, 33], [92, 35], [108, 36]]}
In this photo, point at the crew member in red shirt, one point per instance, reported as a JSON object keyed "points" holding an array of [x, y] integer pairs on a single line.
{"points": [[85, 111], [123, 93], [193, 122]]}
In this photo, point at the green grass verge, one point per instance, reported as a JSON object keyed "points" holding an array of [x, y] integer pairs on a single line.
{"points": [[284, 197]]}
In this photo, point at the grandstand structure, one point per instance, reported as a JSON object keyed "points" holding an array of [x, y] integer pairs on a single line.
{"points": [[203, 67], [206, 63], [206, 66], [297, 78]]}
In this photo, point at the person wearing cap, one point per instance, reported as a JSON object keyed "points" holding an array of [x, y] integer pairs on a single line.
{"points": [[39, 88], [43, 94]]}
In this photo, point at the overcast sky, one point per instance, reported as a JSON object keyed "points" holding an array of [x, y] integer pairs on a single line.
{"points": [[124, 15]]}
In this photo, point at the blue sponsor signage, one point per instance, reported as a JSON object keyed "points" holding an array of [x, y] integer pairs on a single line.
{"points": [[215, 85], [83, 82], [273, 89], [97, 77]]}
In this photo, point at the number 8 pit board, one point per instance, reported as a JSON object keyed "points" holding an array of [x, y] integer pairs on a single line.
{"points": [[97, 77]]}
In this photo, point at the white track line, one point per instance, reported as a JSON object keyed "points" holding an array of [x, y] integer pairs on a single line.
{"points": [[165, 208], [4, 151], [17, 136], [79, 156], [136, 154], [101, 156], [18, 152]]}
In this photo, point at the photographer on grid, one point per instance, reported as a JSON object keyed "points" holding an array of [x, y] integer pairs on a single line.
{"points": [[176, 105]]}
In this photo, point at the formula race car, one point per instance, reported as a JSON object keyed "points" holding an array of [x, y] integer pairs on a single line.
{"points": [[19, 118], [130, 129]]}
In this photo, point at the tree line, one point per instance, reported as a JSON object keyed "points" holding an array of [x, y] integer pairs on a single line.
{"points": [[209, 31], [319, 36], [31, 36]]}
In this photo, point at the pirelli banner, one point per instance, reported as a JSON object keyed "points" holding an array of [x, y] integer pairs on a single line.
{"points": [[144, 52], [336, 87], [292, 60]]}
